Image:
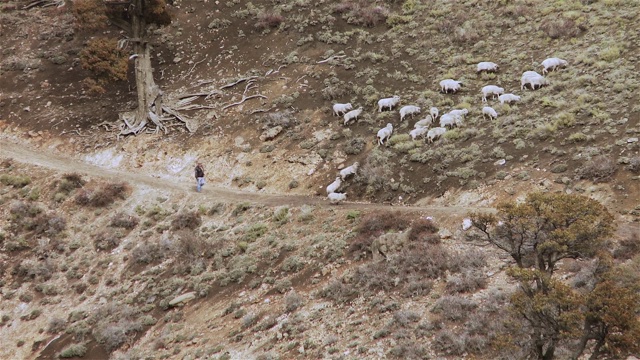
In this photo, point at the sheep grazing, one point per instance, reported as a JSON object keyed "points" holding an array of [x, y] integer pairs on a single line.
{"points": [[487, 66], [490, 112], [349, 170], [460, 113], [492, 90], [340, 109], [335, 185], [424, 122], [508, 98], [552, 64], [434, 112], [336, 198], [408, 110], [435, 133], [448, 120], [388, 103], [532, 78], [353, 114], [384, 133], [450, 84], [420, 131]]}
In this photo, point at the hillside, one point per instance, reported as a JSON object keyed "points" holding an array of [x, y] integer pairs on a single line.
{"points": [[100, 233]]}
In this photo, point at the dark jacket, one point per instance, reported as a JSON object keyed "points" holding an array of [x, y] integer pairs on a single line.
{"points": [[199, 172]]}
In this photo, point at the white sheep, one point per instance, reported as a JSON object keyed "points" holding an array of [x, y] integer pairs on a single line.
{"points": [[349, 170], [448, 120], [508, 98], [492, 90], [353, 114], [532, 78], [384, 133], [450, 84], [408, 110], [552, 64], [435, 133], [490, 112], [487, 66], [418, 132], [424, 122], [434, 113], [339, 109], [336, 198], [460, 113], [335, 185], [388, 103]]}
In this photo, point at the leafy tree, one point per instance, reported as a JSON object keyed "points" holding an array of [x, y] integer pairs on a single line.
{"points": [[547, 228], [105, 59], [552, 311], [611, 312], [537, 234]]}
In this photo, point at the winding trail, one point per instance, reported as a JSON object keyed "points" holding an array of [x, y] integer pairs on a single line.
{"points": [[39, 157]]}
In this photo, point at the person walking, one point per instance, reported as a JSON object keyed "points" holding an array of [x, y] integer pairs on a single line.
{"points": [[199, 176]]}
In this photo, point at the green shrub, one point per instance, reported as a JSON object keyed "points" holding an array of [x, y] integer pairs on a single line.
{"points": [[73, 350], [254, 231], [15, 181]]}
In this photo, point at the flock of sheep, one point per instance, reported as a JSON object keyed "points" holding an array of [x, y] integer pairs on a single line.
{"points": [[453, 118]]}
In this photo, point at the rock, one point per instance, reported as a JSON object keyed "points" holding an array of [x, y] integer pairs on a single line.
{"points": [[183, 298], [177, 59], [444, 233], [559, 168], [500, 162], [306, 159], [271, 133], [632, 140], [267, 148], [466, 224], [301, 349], [565, 180]]}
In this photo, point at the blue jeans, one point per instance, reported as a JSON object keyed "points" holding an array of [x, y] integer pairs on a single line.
{"points": [[200, 182]]}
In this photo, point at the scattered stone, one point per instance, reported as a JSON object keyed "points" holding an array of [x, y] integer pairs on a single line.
{"points": [[271, 133], [632, 140], [444, 233], [559, 168], [565, 180], [466, 224], [177, 59], [500, 162], [267, 148], [183, 298]]}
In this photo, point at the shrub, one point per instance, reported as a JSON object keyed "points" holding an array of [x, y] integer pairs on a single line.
{"points": [[467, 282], [240, 208], [375, 224], [449, 343], [69, 183], [186, 220], [73, 350], [15, 181], [293, 302], [147, 252], [104, 60], [56, 325], [254, 231], [599, 169], [124, 220], [266, 20], [106, 241], [424, 230], [89, 14], [338, 292], [281, 215], [561, 28], [628, 247], [454, 308], [103, 196], [634, 164], [355, 146]]}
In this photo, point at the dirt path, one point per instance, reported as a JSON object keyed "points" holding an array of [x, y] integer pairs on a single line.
{"points": [[39, 157]]}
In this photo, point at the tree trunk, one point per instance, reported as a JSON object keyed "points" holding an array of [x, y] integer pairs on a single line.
{"points": [[147, 90]]}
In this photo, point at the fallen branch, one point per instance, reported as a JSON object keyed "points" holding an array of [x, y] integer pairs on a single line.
{"points": [[192, 68], [331, 58], [271, 71], [44, 3], [244, 98], [205, 94], [177, 115], [238, 82]]}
